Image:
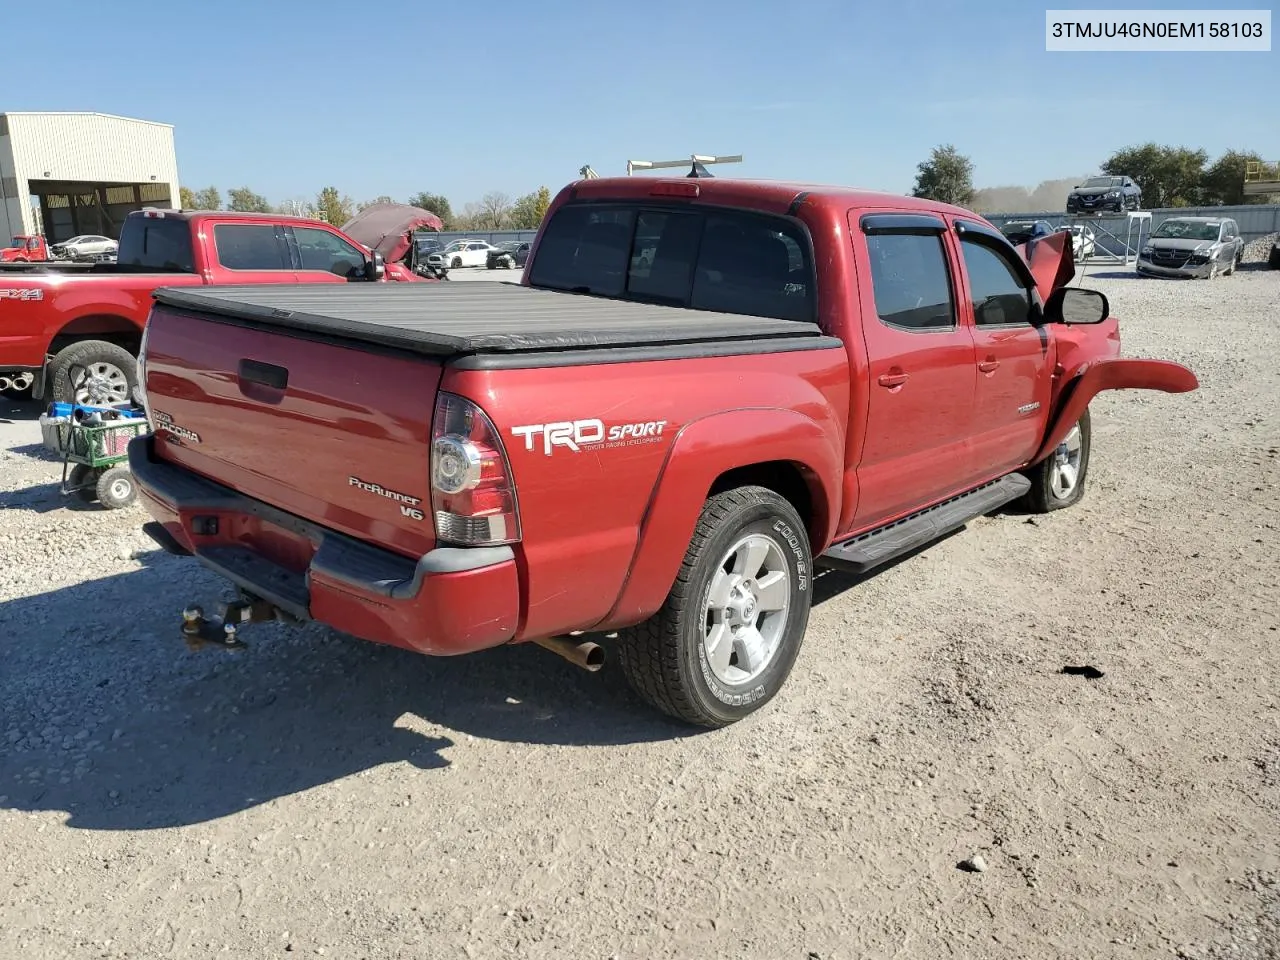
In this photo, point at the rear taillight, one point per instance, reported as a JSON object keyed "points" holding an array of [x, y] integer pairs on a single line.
{"points": [[473, 495]]}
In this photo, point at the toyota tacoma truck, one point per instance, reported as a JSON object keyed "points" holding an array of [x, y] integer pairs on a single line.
{"points": [[701, 391], [90, 319]]}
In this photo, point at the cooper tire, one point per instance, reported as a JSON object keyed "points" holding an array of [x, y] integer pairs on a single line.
{"points": [[116, 488], [666, 659], [94, 355], [1047, 491]]}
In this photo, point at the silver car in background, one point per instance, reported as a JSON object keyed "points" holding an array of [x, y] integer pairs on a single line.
{"points": [[86, 247], [1192, 247]]}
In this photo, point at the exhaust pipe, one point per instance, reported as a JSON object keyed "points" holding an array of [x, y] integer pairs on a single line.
{"points": [[23, 381], [6, 383], [585, 654]]}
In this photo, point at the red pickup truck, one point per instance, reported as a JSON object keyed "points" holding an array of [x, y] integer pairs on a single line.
{"points": [[54, 318], [700, 390]]}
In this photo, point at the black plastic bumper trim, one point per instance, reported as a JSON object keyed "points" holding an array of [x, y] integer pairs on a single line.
{"points": [[272, 582]]}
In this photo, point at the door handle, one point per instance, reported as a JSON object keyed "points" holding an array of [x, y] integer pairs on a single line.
{"points": [[988, 366], [266, 374], [892, 379]]}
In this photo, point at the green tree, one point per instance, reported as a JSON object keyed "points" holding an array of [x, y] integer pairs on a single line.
{"points": [[1224, 181], [244, 200], [1168, 176], [437, 204], [207, 199], [332, 207], [947, 176], [527, 212]]}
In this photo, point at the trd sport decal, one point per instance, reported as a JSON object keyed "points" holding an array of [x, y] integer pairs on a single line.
{"points": [[591, 434]]}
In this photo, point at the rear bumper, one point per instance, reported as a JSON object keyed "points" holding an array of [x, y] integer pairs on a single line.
{"points": [[452, 600]]}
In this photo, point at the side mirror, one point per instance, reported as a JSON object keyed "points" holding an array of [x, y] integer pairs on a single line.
{"points": [[377, 268], [1072, 305]]}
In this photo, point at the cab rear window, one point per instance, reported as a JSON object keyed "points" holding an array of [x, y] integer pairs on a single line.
{"points": [[156, 244], [707, 259]]}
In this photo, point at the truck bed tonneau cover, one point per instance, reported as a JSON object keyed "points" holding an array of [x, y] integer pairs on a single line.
{"points": [[444, 319]]}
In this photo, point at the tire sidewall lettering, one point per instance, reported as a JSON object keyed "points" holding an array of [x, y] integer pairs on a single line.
{"points": [[784, 534]]}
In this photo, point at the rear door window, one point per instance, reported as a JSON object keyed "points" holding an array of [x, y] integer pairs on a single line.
{"points": [[910, 282], [249, 246], [708, 259]]}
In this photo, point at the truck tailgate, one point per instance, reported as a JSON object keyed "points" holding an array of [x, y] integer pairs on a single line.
{"points": [[339, 436]]}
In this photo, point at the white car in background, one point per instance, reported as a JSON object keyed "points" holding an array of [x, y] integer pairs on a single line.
{"points": [[1083, 240], [85, 246], [466, 253]]}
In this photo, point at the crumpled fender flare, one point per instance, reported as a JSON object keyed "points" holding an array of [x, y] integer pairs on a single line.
{"points": [[704, 450], [1115, 374]]}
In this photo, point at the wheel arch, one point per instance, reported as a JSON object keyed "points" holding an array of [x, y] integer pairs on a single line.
{"points": [[798, 458], [108, 327], [1112, 374]]}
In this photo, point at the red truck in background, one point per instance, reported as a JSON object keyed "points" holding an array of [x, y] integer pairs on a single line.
{"points": [[25, 249], [700, 391], [54, 318]]}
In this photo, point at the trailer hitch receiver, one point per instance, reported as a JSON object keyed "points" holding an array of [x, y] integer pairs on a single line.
{"points": [[223, 630]]}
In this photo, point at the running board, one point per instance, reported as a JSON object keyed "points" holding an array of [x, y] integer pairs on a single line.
{"points": [[879, 546]]}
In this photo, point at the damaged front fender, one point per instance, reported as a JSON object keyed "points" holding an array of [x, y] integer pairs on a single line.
{"points": [[1117, 374]]}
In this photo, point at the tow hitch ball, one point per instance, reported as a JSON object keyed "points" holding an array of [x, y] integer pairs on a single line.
{"points": [[222, 631]]}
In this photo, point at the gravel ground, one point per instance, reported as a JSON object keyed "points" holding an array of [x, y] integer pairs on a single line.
{"points": [[318, 795]]}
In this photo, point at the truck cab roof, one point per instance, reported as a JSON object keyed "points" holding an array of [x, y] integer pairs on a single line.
{"points": [[774, 196]]}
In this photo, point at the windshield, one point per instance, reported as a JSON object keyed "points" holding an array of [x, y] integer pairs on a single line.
{"points": [[1102, 182], [720, 260], [456, 245], [1187, 230]]}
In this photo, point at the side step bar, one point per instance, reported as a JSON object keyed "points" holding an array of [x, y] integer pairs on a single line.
{"points": [[871, 549]]}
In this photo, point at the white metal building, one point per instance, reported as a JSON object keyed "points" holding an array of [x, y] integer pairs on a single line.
{"points": [[64, 174]]}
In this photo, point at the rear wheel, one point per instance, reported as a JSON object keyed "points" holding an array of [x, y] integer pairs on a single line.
{"points": [[1058, 480], [728, 634], [103, 374]]}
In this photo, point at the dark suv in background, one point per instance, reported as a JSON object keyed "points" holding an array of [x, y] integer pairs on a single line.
{"points": [[1024, 231], [1105, 195], [508, 254]]}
